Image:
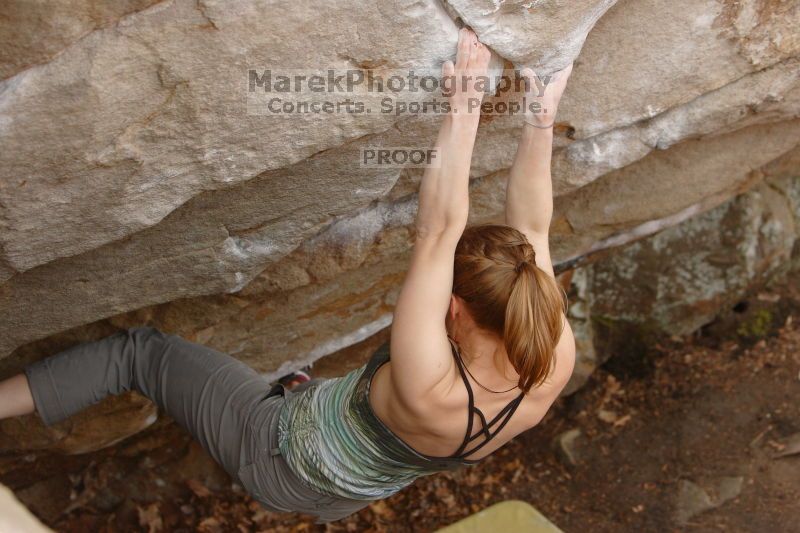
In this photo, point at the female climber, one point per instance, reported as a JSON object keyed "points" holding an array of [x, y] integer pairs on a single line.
{"points": [[480, 348]]}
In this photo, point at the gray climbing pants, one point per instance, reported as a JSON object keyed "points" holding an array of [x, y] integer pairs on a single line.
{"points": [[225, 405]]}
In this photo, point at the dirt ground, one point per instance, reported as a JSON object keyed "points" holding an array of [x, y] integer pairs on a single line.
{"points": [[692, 424]]}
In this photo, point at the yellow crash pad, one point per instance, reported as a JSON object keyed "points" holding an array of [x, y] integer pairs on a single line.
{"points": [[511, 515]]}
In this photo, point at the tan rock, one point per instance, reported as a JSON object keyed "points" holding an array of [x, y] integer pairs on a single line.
{"points": [[140, 117], [645, 57], [543, 34], [24, 22]]}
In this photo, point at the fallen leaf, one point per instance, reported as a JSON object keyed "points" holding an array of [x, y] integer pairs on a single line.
{"points": [[622, 421], [150, 517], [789, 446], [607, 416], [200, 490], [777, 445], [380, 508], [210, 525]]}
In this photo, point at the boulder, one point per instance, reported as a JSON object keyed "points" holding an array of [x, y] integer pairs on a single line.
{"points": [[138, 187], [544, 35], [692, 499], [683, 277]]}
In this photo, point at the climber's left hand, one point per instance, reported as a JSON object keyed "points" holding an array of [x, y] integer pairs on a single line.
{"points": [[547, 91], [465, 82]]}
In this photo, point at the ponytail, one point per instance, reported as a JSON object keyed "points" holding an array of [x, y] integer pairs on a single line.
{"points": [[495, 274], [533, 324]]}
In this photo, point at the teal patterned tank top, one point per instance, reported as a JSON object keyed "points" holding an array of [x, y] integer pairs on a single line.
{"points": [[334, 442]]}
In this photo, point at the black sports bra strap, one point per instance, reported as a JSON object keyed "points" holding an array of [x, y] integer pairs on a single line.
{"points": [[515, 403], [509, 405], [485, 428], [471, 400], [483, 431]]}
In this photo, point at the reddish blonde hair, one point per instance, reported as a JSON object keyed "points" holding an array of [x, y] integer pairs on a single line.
{"points": [[507, 294]]}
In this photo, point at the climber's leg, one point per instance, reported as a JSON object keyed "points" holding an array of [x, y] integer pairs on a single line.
{"points": [[15, 397], [208, 393], [222, 402]]}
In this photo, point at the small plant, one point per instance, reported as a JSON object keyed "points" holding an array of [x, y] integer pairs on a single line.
{"points": [[756, 326]]}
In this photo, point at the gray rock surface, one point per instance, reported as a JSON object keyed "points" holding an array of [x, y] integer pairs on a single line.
{"points": [[681, 278], [692, 499], [565, 446]]}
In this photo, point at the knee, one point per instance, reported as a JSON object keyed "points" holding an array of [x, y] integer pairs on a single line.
{"points": [[145, 339], [154, 342], [144, 332], [143, 349]]}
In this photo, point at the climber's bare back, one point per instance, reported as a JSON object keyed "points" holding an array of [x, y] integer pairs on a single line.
{"points": [[420, 394], [438, 426]]}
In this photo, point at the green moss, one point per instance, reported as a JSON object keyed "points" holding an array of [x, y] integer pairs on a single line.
{"points": [[604, 320], [756, 326]]}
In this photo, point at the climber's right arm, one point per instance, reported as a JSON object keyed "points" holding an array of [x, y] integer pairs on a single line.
{"points": [[421, 356], [444, 190]]}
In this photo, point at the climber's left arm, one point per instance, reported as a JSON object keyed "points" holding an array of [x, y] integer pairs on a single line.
{"points": [[529, 194]]}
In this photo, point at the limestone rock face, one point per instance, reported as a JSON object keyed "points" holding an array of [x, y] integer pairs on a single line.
{"points": [[137, 187]]}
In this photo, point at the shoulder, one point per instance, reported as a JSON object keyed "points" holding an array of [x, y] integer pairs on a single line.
{"points": [[564, 363]]}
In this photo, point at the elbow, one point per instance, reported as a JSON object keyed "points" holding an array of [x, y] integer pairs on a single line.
{"points": [[426, 232], [450, 224], [438, 233]]}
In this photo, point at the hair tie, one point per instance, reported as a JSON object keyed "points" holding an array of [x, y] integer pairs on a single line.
{"points": [[518, 268]]}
